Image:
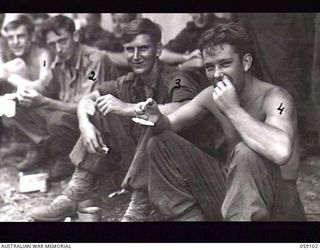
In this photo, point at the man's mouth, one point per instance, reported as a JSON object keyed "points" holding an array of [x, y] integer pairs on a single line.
{"points": [[18, 48], [137, 64]]}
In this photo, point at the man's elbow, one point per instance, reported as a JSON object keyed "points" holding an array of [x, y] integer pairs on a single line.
{"points": [[284, 152]]}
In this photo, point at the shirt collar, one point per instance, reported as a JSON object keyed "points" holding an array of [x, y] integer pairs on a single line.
{"points": [[76, 57], [137, 79]]}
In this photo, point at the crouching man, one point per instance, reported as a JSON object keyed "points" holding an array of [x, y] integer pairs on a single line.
{"points": [[110, 127], [260, 125]]}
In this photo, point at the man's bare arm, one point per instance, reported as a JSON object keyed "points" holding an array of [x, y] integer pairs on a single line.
{"points": [[171, 57], [59, 105], [190, 113], [169, 108], [274, 137], [81, 112], [192, 64], [45, 75], [118, 58]]}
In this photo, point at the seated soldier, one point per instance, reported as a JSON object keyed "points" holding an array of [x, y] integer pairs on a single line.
{"points": [[260, 124], [112, 44], [24, 67], [182, 51], [92, 31], [49, 117], [38, 20], [110, 126]]}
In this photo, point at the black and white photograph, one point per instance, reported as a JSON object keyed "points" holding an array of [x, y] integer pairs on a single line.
{"points": [[159, 117]]}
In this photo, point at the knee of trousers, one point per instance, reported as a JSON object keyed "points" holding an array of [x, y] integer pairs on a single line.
{"points": [[155, 142], [246, 161], [55, 122], [242, 153]]}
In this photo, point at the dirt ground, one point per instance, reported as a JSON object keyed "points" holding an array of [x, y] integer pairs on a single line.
{"points": [[15, 206]]}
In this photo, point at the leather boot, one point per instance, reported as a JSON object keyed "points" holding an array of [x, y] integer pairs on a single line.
{"points": [[139, 208], [60, 208], [35, 158]]}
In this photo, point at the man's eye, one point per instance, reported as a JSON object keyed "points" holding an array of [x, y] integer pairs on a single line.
{"points": [[144, 48], [225, 65], [129, 49], [63, 42], [209, 68]]}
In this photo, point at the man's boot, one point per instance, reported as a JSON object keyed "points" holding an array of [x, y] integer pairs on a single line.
{"points": [[139, 208], [35, 158], [13, 149], [60, 208]]}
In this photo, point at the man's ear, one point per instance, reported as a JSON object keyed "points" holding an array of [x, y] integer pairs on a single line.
{"points": [[76, 36], [247, 62], [159, 49]]}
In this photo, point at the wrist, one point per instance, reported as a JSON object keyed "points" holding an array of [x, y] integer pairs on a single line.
{"points": [[180, 66], [233, 111], [131, 110], [162, 124], [42, 101], [83, 123]]}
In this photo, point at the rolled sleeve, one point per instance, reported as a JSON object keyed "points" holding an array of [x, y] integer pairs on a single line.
{"points": [[182, 88]]}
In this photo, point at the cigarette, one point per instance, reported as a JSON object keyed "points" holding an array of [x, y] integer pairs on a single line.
{"points": [[105, 149]]}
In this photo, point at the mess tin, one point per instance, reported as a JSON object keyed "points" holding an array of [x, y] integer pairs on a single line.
{"points": [[90, 214]]}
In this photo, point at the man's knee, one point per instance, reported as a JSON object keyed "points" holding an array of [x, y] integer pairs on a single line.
{"points": [[56, 121], [242, 151], [245, 160], [155, 142]]}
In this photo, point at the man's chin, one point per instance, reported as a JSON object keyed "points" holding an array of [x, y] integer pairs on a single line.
{"points": [[18, 53], [139, 71]]}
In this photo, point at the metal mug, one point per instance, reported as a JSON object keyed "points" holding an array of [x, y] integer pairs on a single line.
{"points": [[90, 214]]}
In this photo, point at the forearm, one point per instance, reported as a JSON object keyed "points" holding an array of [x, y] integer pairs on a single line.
{"points": [[267, 140], [118, 59], [169, 108], [190, 65], [59, 105], [83, 116], [18, 81], [170, 57]]}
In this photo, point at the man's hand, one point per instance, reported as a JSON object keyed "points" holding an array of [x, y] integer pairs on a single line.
{"points": [[109, 104], [148, 111], [92, 138], [4, 73], [194, 54], [29, 97], [192, 64], [225, 95]]}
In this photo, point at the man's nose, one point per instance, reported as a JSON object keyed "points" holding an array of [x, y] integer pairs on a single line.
{"points": [[58, 48], [217, 73], [15, 40], [136, 54]]}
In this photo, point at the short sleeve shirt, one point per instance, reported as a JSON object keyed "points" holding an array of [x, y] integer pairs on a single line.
{"points": [[170, 86], [87, 69]]}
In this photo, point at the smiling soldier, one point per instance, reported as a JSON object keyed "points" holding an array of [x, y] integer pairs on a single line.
{"points": [[260, 125], [109, 126]]}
